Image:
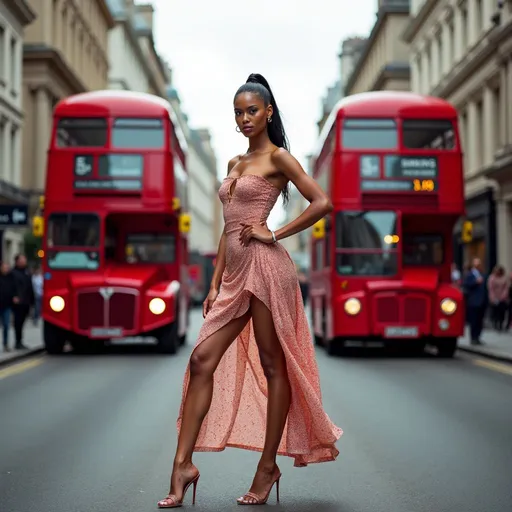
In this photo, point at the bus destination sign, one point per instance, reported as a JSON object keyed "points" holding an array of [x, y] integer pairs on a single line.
{"points": [[401, 174], [116, 172]]}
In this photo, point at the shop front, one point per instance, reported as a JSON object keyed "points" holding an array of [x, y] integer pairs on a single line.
{"points": [[480, 239]]}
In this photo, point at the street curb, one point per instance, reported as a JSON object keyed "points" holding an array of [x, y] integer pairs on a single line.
{"points": [[497, 357], [24, 355]]}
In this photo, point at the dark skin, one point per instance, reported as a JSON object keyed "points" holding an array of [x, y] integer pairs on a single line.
{"points": [[278, 167]]}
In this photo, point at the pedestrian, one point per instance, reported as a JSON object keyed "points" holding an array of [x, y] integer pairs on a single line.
{"points": [[498, 286], [456, 275], [24, 299], [304, 284], [476, 300], [7, 295], [243, 394], [37, 285]]}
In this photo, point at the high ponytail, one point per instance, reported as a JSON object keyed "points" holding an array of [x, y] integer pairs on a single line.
{"points": [[258, 85]]}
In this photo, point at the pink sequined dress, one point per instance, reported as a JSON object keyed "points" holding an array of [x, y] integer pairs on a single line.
{"points": [[237, 415]]}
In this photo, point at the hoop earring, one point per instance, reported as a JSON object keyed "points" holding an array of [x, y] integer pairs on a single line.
{"points": [[269, 119], [238, 129]]}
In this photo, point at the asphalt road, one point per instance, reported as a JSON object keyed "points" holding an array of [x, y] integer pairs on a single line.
{"points": [[97, 433]]}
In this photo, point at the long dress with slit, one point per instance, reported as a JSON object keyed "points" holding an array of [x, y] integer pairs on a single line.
{"points": [[237, 416]]}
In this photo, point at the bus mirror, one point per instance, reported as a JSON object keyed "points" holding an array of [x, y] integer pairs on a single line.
{"points": [[38, 226], [319, 229], [176, 203], [184, 223], [467, 231]]}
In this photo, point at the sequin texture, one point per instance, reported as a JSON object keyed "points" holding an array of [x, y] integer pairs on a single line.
{"points": [[237, 415]]}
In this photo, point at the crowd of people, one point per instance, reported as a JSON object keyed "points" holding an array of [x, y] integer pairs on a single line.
{"points": [[485, 295], [21, 294]]}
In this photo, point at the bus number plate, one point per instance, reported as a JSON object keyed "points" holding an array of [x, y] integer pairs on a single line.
{"points": [[106, 332], [401, 332]]}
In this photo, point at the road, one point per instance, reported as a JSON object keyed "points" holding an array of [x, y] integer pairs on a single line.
{"points": [[97, 434]]}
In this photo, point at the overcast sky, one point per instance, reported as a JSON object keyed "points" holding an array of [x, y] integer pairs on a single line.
{"points": [[213, 46]]}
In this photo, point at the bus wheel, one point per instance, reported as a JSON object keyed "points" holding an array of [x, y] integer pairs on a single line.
{"points": [[168, 339], [446, 347], [54, 338], [335, 347]]}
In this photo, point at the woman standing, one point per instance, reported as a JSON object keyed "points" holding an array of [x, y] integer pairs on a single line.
{"points": [[261, 392], [498, 286]]}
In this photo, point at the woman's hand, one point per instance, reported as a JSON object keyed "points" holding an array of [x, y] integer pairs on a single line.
{"points": [[258, 231], [208, 302]]}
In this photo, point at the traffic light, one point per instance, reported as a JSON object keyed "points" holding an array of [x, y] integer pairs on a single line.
{"points": [[184, 223], [176, 203], [38, 226], [467, 231], [41, 203], [319, 229]]}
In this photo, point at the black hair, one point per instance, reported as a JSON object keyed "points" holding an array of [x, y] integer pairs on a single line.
{"points": [[258, 85]]}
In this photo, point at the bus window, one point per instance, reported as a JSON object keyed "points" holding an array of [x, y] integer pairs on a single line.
{"points": [[422, 250], [73, 230], [81, 132], [70, 230], [428, 134], [366, 243], [150, 248], [369, 134], [138, 133]]}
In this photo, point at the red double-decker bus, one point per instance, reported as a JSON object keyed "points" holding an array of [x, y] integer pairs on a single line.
{"points": [[391, 163], [116, 253]]}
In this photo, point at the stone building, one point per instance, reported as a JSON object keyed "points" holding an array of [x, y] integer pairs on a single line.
{"points": [[15, 16], [461, 50], [65, 53], [384, 62]]}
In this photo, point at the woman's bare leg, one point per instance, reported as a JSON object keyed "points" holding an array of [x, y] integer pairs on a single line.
{"points": [[273, 362], [203, 362]]}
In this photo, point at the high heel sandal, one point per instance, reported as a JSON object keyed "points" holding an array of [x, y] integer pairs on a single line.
{"points": [[171, 501], [259, 500]]}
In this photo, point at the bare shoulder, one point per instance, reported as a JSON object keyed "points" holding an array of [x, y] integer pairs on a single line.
{"points": [[233, 162], [281, 156], [286, 163]]}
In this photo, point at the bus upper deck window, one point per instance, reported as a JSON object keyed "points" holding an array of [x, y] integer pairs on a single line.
{"points": [[81, 132], [138, 133], [428, 134], [369, 134]]}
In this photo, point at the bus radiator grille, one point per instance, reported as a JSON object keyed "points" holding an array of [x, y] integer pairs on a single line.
{"points": [[415, 310], [388, 310], [90, 310], [122, 311]]}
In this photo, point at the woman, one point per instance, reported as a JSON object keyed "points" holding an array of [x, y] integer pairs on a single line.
{"points": [[498, 289], [7, 297], [255, 299]]}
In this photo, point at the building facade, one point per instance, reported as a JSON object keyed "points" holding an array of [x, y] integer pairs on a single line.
{"points": [[129, 69], [65, 53], [461, 50], [203, 202], [351, 50], [384, 62], [15, 16]]}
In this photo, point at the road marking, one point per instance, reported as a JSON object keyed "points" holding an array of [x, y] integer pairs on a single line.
{"points": [[21, 367], [497, 367]]}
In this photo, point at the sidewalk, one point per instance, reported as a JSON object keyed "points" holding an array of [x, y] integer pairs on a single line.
{"points": [[497, 345], [32, 339]]}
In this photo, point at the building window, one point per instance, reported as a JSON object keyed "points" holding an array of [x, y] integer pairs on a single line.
{"points": [[465, 27], [3, 149], [13, 66], [479, 153], [2, 55]]}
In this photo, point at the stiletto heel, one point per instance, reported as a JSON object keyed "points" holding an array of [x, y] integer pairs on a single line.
{"points": [[171, 501], [259, 500]]}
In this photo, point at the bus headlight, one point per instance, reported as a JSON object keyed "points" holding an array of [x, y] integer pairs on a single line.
{"points": [[448, 306], [156, 306], [352, 306], [57, 303]]}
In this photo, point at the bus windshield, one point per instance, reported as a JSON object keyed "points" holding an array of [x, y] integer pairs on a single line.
{"points": [[73, 241], [366, 243]]}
